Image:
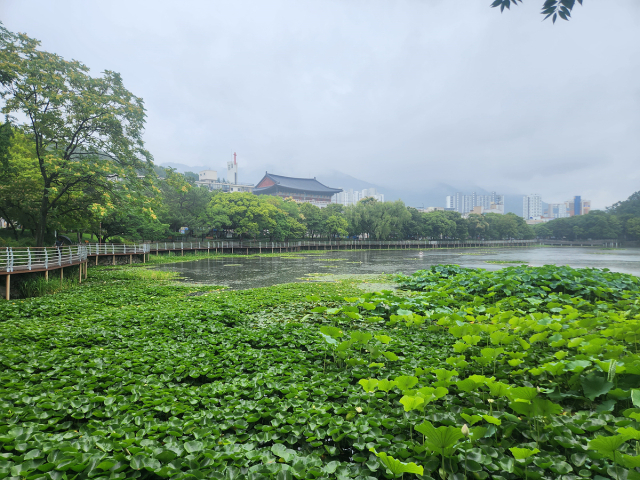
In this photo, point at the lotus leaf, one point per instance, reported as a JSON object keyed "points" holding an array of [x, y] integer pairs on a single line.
{"points": [[396, 467]]}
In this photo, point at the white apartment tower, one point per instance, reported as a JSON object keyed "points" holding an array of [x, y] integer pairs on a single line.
{"points": [[532, 206], [352, 197], [466, 203]]}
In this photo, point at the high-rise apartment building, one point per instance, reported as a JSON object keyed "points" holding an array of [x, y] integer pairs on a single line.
{"points": [[351, 197], [557, 210], [577, 206], [450, 202], [532, 207], [466, 203]]}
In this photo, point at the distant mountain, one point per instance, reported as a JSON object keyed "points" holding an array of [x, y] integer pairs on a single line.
{"points": [[432, 195]]}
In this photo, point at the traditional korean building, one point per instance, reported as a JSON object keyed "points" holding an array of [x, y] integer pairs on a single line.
{"points": [[302, 190]]}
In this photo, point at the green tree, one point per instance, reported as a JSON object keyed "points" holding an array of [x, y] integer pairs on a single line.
{"points": [[462, 226], [633, 227], [577, 232], [184, 205], [389, 219], [191, 177], [287, 219], [477, 226], [438, 225], [413, 226], [542, 231], [20, 181], [630, 206], [598, 225], [510, 225], [550, 8], [335, 226], [131, 220], [246, 214], [311, 217], [86, 130]]}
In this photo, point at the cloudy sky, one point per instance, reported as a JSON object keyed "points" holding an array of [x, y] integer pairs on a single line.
{"points": [[406, 94]]}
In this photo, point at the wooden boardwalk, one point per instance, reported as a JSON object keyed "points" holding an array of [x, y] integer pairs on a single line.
{"points": [[24, 260], [253, 247]]}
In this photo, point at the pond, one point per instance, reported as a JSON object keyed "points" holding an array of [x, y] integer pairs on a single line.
{"points": [[241, 272]]}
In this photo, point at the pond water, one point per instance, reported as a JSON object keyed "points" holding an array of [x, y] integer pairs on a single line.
{"points": [[240, 272]]}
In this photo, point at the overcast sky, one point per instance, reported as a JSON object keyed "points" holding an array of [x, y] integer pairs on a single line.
{"points": [[401, 93]]}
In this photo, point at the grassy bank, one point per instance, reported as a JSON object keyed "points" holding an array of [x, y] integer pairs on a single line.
{"points": [[521, 373]]}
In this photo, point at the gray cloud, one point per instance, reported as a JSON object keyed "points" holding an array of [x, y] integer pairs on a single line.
{"points": [[400, 93]]}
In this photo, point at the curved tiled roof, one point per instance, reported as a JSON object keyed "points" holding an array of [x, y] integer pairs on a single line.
{"points": [[292, 183]]}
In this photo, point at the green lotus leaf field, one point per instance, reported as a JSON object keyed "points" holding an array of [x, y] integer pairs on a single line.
{"points": [[525, 372]]}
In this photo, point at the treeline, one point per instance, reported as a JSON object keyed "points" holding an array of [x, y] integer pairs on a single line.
{"points": [[620, 221], [248, 216]]}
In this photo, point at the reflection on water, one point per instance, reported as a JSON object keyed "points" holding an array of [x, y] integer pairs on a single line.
{"points": [[248, 272]]}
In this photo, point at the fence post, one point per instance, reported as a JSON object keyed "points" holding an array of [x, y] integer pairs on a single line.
{"points": [[29, 258], [46, 258]]}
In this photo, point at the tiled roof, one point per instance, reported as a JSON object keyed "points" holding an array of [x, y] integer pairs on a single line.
{"points": [[300, 184]]}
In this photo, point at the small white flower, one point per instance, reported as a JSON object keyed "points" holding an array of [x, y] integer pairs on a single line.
{"points": [[358, 409], [465, 430]]}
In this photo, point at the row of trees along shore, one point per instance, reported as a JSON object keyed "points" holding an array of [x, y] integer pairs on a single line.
{"points": [[72, 159]]}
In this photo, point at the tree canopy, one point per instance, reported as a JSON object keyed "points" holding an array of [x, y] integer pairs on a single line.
{"points": [[621, 220], [85, 132]]}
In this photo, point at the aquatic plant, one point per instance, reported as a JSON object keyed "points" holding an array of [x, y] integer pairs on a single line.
{"points": [[139, 378]]}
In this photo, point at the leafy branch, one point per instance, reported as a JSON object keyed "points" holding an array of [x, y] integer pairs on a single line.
{"points": [[550, 8]]}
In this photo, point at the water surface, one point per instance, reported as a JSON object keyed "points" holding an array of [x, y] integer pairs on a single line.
{"points": [[241, 272]]}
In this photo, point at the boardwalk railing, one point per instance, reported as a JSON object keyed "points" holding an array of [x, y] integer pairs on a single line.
{"points": [[119, 249], [21, 259], [24, 259], [356, 244]]}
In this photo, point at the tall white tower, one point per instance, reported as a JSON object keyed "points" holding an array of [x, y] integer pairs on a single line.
{"points": [[232, 171]]}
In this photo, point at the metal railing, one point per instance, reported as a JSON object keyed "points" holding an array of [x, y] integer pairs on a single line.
{"points": [[20, 259], [23, 259], [116, 249], [223, 244]]}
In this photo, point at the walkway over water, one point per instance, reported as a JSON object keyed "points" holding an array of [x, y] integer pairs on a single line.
{"points": [[253, 247], [21, 260], [16, 260]]}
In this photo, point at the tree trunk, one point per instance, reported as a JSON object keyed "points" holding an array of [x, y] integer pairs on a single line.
{"points": [[42, 224]]}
